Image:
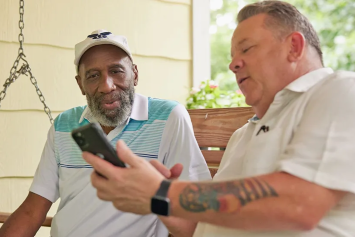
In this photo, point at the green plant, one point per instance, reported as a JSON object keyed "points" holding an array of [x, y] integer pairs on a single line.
{"points": [[209, 95]]}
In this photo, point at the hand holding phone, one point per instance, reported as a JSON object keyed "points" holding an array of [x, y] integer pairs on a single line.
{"points": [[91, 138]]}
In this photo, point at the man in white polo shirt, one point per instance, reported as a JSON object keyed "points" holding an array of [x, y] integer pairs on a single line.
{"points": [[158, 130], [289, 172]]}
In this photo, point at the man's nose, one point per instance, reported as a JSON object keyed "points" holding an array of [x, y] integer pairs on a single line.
{"points": [[236, 64], [106, 84]]}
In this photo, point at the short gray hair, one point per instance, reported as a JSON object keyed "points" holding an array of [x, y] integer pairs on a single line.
{"points": [[283, 18]]}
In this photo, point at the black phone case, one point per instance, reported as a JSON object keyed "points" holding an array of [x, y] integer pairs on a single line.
{"points": [[91, 138]]}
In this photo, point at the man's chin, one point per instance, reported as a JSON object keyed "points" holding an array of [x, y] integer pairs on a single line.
{"points": [[109, 113], [110, 117]]}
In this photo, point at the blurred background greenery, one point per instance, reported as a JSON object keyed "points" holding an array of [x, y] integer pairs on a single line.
{"points": [[334, 21]]}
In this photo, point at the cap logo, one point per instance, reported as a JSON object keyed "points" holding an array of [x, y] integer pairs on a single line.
{"points": [[99, 36]]}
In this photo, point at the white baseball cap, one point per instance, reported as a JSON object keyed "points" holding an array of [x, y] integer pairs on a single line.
{"points": [[100, 37]]}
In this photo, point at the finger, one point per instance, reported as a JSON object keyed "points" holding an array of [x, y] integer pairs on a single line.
{"points": [[118, 205], [104, 196], [176, 171], [100, 165], [102, 186], [104, 190], [161, 168], [126, 155], [98, 181]]}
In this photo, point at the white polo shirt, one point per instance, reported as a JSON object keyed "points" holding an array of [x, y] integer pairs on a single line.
{"points": [[312, 136], [157, 129]]}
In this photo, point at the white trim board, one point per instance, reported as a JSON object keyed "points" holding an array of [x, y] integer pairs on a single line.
{"points": [[201, 61]]}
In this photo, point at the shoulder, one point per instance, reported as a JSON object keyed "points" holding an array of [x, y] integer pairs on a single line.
{"points": [[239, 133], [340, 81], [155, 103], [69, 118], [337, 89], [161, 109]]}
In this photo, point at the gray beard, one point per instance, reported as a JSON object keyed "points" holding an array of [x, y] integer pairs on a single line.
{"points": [[112, 117]]}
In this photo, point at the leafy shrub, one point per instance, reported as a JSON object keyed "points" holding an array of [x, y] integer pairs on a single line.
{"points": [[209, 95]]}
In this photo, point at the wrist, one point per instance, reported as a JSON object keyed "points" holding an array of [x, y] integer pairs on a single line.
{"points": [[160, 203]]}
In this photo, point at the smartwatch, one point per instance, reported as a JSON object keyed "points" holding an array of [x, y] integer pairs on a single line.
{"points": [[160, 203]]}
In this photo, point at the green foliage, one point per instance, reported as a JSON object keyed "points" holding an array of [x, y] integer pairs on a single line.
{"points": [[334, 21], [211, 96]]}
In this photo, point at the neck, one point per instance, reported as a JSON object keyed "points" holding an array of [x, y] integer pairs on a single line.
{"points": [[299, 71], [306, 70], [107, 130], [310, 63], [261, 109]]}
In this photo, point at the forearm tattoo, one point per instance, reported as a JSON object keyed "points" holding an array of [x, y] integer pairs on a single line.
{"points": [[227, 197]]}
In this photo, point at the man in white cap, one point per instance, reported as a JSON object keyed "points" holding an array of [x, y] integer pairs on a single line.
{"points": [[158, 130]]}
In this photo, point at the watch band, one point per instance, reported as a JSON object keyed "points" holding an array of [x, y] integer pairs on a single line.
{"points": [[164, 188]]}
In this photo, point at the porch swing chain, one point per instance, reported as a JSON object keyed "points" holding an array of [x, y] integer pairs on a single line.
{"points": [[24, 69]]}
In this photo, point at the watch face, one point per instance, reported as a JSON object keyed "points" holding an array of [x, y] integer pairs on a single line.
{"points": [[160, 206]]}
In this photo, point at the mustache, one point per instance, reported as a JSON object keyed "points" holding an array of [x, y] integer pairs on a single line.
{"points": [[113, 96]]}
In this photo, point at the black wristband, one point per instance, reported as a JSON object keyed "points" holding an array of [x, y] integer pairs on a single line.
{"points": [[160, 203], [164, 188]]}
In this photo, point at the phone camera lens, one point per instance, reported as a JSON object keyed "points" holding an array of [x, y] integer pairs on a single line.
{"points": [[80, 140]]}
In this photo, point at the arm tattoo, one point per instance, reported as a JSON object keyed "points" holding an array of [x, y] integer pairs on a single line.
{"points": [[225, 197]]}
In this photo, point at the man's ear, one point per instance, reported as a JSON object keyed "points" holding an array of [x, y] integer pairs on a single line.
{"points": [[135, 71], [297, 44], [78, 81]]}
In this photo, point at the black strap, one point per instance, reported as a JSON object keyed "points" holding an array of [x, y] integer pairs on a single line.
{"points": [[164, 188]]}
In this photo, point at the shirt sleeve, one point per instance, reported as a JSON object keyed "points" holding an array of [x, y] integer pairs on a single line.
{"points": [[179, 145], [322, 149], [45, 181]]}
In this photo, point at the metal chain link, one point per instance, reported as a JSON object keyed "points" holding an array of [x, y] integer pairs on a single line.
{"points": [[25, 68]]}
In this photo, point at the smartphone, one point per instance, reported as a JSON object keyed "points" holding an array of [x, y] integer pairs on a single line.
{"points": [[91, 138]]}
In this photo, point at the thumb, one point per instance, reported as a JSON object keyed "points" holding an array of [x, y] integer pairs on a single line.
{"points": [[161, 168], [126, 155], [176, 171]]}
